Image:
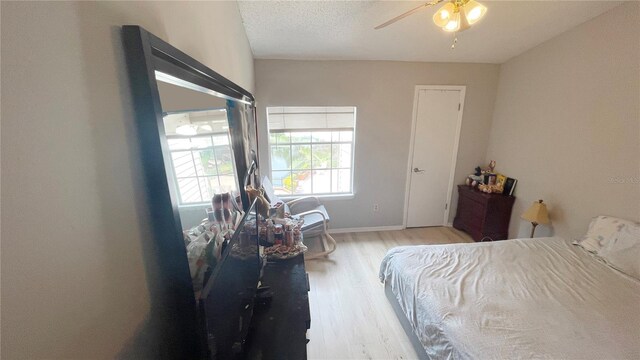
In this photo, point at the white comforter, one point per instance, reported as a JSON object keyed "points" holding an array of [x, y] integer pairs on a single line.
{"points": [[525, 298]]}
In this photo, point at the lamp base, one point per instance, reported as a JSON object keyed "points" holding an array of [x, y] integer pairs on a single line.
{"points": [[533, 228]]}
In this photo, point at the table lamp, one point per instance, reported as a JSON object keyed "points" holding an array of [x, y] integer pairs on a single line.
{"points": [[536, 214]]}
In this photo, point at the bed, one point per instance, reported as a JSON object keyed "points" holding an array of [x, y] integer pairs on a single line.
{"points": [[522, 298]]}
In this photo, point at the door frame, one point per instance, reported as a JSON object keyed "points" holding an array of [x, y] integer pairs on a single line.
{"points": [[456, 146]]}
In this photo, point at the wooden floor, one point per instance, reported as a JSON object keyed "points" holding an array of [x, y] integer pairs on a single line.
{"points": [[351, 317]]}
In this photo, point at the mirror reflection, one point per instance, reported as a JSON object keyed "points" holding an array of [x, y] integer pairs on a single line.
{"points": [[199, 157], [210, 141], [205, 157]]}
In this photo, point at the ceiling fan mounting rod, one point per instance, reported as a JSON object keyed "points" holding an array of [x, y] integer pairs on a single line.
{"points": [[410, 12]]}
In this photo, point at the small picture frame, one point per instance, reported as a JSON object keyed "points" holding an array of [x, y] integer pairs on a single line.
{"points": [[492, 179], [509, 186]]}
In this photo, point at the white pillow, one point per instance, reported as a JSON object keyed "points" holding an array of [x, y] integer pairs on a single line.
{"points": [[616, 241]]}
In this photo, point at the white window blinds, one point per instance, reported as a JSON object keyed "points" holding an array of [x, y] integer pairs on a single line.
{"points": [[311, 118]]}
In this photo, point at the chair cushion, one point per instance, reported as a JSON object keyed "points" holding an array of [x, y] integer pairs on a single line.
{"points": [[313, 221]]}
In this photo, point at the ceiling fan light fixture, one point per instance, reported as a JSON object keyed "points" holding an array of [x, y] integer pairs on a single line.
{"points": [[453, 16], [453, 24], [474, 11], [444, 14]]}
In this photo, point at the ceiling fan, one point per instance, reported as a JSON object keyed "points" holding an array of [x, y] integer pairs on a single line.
{"points": [[453, 16]]}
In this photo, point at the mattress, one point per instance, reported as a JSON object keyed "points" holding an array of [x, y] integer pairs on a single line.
{"points": [[525, 298]]}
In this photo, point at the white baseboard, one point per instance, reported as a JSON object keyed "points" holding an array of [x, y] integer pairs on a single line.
{"points": [[449, 224], [366, 229]]}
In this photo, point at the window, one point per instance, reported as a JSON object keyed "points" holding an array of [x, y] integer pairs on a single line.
{"points": [[312, 149], [201, 155]]}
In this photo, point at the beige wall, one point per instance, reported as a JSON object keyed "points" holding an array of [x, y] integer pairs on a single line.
{"points": [[383, 93], [73, 217], [567, 121]]}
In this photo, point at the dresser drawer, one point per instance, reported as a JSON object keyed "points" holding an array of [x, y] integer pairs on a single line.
{"points": [[472, 208], [483, 215]]}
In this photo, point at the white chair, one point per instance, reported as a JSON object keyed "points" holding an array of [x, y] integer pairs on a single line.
{"points": [[309, 208]]}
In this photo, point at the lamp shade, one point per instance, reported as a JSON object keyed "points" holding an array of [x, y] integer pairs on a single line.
{"points": [[442, 16], [453, 24], [537, 213], [474, 11]]}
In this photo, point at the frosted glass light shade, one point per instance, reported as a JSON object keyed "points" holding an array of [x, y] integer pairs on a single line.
{"points": [[444, 14], [474, 11], [453, 24]]}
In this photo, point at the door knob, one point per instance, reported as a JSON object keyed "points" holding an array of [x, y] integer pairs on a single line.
{"points": [[416, 170]]}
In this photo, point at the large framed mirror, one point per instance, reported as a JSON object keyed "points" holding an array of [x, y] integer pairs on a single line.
{"points": [[197, 138]]}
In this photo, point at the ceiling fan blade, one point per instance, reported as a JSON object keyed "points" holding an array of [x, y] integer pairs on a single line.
{"points": [[414, 10]]}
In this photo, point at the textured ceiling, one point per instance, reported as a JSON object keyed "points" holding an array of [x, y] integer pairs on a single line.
{"points": [[343, 30]]}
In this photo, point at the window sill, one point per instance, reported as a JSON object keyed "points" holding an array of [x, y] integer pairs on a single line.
{"points": [[284, 198], [321, 197]]}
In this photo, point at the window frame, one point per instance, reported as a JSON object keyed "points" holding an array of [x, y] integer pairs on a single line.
{"points": [[174, 174], [330, 195]]}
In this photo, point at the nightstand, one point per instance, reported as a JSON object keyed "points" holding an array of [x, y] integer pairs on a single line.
{"points": [[483, 215]]}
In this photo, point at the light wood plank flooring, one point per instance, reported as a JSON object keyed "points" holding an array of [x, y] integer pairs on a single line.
{"points": [[351, 317]]}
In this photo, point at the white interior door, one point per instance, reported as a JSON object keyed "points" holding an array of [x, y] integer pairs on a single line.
{"points": [[438, 113]]}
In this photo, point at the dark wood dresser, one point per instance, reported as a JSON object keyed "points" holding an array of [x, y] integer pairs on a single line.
{"points": [[483, 215], [279, 329]]}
